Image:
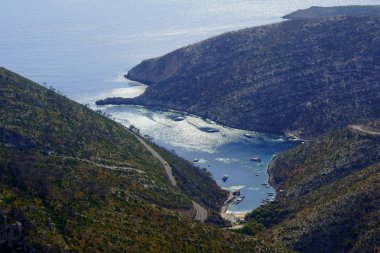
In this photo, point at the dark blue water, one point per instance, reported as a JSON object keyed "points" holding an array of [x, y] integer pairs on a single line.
{"points": [[233, 159]]}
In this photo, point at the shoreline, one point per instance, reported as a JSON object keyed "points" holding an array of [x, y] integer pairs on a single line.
{"points": [[233, 217], [292, 136], [208, 120], [212, 121]]}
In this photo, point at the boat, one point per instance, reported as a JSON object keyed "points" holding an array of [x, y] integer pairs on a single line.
{"points": [[248, 135], [256, 159], [238, 200], [148, 137], [224, 178], [209, 129], [178, 118], [195, 160]]}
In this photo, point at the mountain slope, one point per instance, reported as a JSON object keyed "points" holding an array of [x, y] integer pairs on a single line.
{"points": [[329, 197], [73, 180], [307, 76]]}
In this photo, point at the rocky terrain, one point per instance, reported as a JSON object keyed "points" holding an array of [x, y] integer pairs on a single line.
{"points": [[328, 194], [306, 76]]}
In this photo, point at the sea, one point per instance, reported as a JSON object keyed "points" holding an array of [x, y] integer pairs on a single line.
{"points": [[84, 47]]}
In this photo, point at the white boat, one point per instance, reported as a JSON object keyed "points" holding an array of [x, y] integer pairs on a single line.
{"points": [[178, 118], [256, 159], [248, 135]]}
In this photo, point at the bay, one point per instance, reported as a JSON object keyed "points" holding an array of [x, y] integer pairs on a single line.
{"points": [[83, 48]]}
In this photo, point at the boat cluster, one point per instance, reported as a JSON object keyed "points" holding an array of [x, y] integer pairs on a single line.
{"points": [[237, 197], [269, 198]]}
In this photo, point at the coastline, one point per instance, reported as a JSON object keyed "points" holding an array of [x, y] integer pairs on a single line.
{"points": [[232, 217], [235, 217], [128, 101], [270, 175], [223, 212]]}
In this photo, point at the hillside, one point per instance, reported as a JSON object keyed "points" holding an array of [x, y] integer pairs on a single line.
{"points": [[71, 180], [326, 12], [329, 194], [307, 76]]}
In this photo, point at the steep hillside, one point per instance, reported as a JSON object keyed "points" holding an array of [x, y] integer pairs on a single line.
{"points": [[325, 12], [307, 76], [72, 180], [329, 194]]}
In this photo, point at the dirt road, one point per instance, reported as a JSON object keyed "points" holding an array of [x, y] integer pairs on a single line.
{"points": [[167, 167], [364, 130], [201, 212]]}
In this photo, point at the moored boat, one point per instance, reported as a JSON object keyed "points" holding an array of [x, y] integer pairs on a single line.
{"points": [[248, 135], [256, 159]]}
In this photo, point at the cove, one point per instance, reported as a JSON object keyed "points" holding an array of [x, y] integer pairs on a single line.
{"points": [[223, 151]]}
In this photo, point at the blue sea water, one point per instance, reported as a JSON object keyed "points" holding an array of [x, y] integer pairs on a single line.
{"points": [[83, 48], [225, 152]]}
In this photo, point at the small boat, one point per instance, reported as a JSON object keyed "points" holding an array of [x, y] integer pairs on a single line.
{"points": [[257, 175], [209, 129], [195, 160], [270, 193], [178, 118], [256, 159], [264, 184], [238, 200], [248, 135], [148, 137], [224, 178]]}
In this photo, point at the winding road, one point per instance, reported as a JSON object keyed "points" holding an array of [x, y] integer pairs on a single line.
{"points": [[362, 129], [168, 169], [201, 212]]}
